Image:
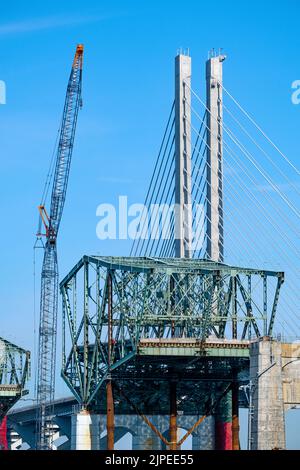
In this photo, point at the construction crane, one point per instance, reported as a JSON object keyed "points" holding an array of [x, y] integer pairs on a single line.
{"points": [[49, 277]]}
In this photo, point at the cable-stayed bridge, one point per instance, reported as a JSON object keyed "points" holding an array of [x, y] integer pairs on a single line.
{"points": [[256, 186]]}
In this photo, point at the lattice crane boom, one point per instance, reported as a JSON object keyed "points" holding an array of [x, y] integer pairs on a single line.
{"points": [[49, 277]]}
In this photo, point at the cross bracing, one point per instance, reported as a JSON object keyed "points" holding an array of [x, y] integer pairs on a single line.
{"points": [[139, 308], [14, 371]]}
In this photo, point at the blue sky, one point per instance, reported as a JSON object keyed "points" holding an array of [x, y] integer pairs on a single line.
{"points": [[127, 91]]}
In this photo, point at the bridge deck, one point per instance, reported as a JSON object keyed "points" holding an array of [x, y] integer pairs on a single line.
{"points": [[192, 347]]}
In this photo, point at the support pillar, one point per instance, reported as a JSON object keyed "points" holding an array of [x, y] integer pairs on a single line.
{"points": [[173, 416], [266, 410], [214, 183], [183, 199], [110, 416], [85, 431], [223, 430]]}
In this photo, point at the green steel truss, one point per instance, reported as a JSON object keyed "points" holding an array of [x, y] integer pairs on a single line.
{"points": [[14, 371], [144, 305]]}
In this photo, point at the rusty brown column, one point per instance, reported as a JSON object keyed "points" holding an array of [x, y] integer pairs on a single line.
{"points": [[173, 415], [235, 415], [110, 415]]}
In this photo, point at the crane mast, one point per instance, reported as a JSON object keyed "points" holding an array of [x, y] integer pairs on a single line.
{"points": [[49, 276]]}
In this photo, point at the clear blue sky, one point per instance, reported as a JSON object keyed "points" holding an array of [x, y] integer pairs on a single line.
{"points": [[127, 90]]}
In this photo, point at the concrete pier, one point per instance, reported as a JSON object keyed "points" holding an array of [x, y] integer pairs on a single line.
{"points": [[267, 423], [85, 431]]}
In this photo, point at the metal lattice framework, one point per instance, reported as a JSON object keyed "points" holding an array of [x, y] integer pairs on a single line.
{"points": [[14, 371], [49, 277], [127, 306]]}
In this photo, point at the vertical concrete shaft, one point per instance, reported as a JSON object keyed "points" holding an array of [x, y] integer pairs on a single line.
{"points": [[235, 416], [85, 431], [173, 416], [183, 211], [267, 423], [214, 212]]}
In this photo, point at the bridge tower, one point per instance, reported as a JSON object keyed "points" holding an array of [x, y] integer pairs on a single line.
{"points": [[183, 184], [214, 159]]}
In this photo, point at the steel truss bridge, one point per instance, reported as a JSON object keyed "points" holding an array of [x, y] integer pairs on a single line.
{"points": [[143, 324], [14, 371]]}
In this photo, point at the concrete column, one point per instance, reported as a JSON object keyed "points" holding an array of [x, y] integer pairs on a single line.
{"points": [[85, 431], [223, 424], [183, 214], [204, 436], [144, 438], [214, 104], [267, 423]]}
